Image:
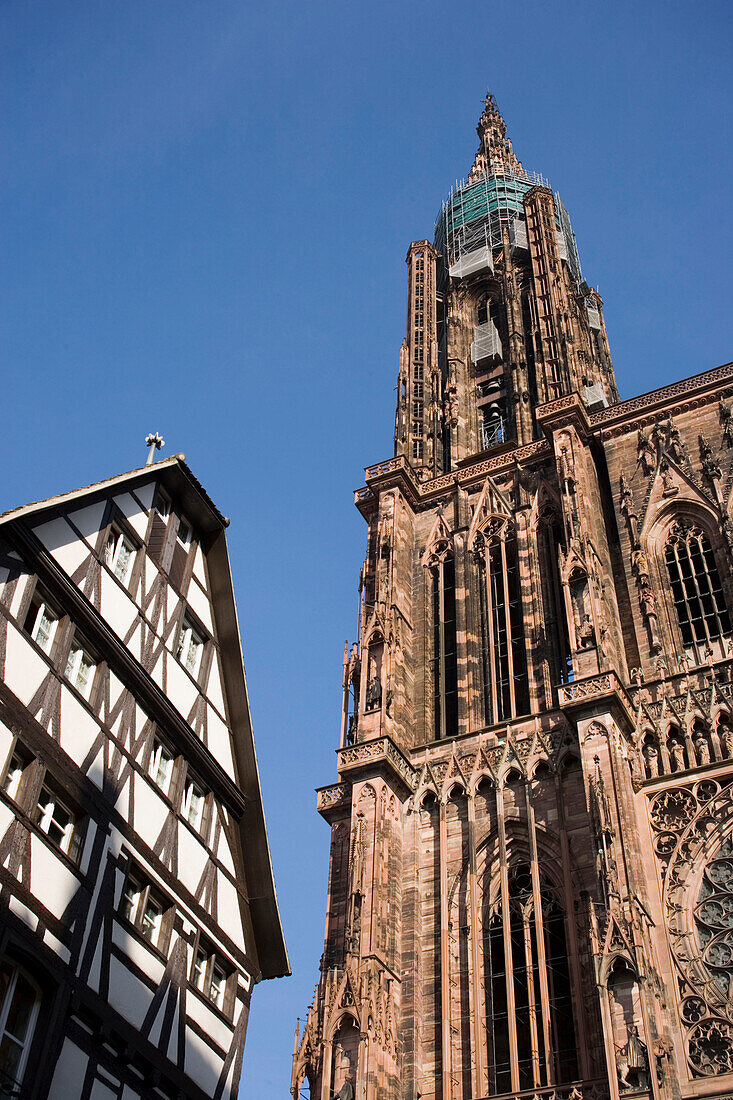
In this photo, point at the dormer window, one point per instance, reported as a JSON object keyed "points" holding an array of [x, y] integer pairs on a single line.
{"points": [[119, 553], [41, 621], [190, 646]]}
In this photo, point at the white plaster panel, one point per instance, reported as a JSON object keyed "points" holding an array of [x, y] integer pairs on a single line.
{"points": [[228, 912], [213, 688], [145, 492], [65, 545], [200, 1012], [150, 810], [199, 604], [127, 995], [19, 593], [23, 912], [6, 816], [192, 857], [129, 1093], [68, 1077], [220, 742], [202, 1064], [24, 667], [78, 727], [198, 568], [96, 769], [130, 509], [51, 880], [137, 952], [158, 670], [182, 690], [117, 606], [102, 1092], [224, 853], [89, 519]]}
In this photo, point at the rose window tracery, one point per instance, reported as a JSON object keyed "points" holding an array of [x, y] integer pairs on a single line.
{"points": [[694, 846]]}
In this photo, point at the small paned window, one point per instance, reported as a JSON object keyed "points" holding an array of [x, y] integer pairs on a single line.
{"points": [[194, 803], [185, 532], [190, 646], [80, 668], [19, 761], [147, 909], [60, 823], [160, 768], [417, 389], [695, 582], [41, 621], [119, 554], [211, 975], [417, 448], [162, 503], [20, 1000]]}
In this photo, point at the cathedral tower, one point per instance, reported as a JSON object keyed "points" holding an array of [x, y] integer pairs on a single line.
{"points": [[531, 878]]}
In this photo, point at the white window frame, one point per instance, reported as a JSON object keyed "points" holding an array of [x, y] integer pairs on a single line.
{"points": [[5, 1006], [45, 816], [14, 774], [207, 965], [190, 636], [44, 609], [161, 754], [114, 553], [144, 907], [185, 539], [194, 791], [79, 656]]}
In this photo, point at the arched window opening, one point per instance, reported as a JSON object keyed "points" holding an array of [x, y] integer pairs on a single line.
{"points": [[444, 658], [503, 647], [632, 1063], [19, 1006], [696, 589], [551, 542], [304, 1089], [345, 1058], [497, 1009]]}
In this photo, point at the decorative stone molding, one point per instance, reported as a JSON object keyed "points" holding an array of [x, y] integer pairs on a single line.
{"points": [[381, 751], [335, 797]]}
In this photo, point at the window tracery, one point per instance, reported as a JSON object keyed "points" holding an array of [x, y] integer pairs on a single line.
{"points": [[503, 647], [697, 591], [444, 657]]}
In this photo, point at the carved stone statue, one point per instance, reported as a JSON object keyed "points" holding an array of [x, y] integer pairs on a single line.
{"points": [[651, 761], [586, 633], [631, 1063], [702, 750], [374, 692], [677, 756], [726, 737]]}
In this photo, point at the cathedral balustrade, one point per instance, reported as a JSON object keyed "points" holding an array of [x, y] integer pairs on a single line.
{"points": [[579, 1090]]}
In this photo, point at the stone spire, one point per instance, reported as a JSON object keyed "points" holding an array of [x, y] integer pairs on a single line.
{"points": [[495, 152]]}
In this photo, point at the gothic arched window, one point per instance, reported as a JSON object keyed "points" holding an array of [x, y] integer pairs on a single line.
{"points": [[444, 656], [503, 652], [695, 582], [542, 1009]]}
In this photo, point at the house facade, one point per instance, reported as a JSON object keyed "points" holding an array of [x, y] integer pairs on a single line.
{"points": [[531, 872], [137, 905]]}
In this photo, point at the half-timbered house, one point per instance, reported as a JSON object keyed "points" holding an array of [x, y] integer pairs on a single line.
{"points": [[137, 904]]}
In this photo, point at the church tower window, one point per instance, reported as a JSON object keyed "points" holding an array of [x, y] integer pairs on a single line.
{"points": [[503, 649], [444, 658], [695, 582]]}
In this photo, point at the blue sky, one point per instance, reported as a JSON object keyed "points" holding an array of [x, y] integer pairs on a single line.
{"points": [[207, 207]]}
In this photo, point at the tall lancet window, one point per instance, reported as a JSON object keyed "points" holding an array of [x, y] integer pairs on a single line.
{"points": [[550, 542], [696, 589], [503, 653], [444, 664], [536, 983]]}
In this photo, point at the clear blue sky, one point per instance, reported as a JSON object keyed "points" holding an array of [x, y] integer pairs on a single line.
{"points": [[207, 205]]}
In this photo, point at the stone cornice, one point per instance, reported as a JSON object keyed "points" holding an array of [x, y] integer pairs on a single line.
{"points": [[604, 689], [686, 394]]}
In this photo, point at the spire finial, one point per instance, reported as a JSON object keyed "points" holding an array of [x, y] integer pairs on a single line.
{"points": [[154, 442], [495, 154]]}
